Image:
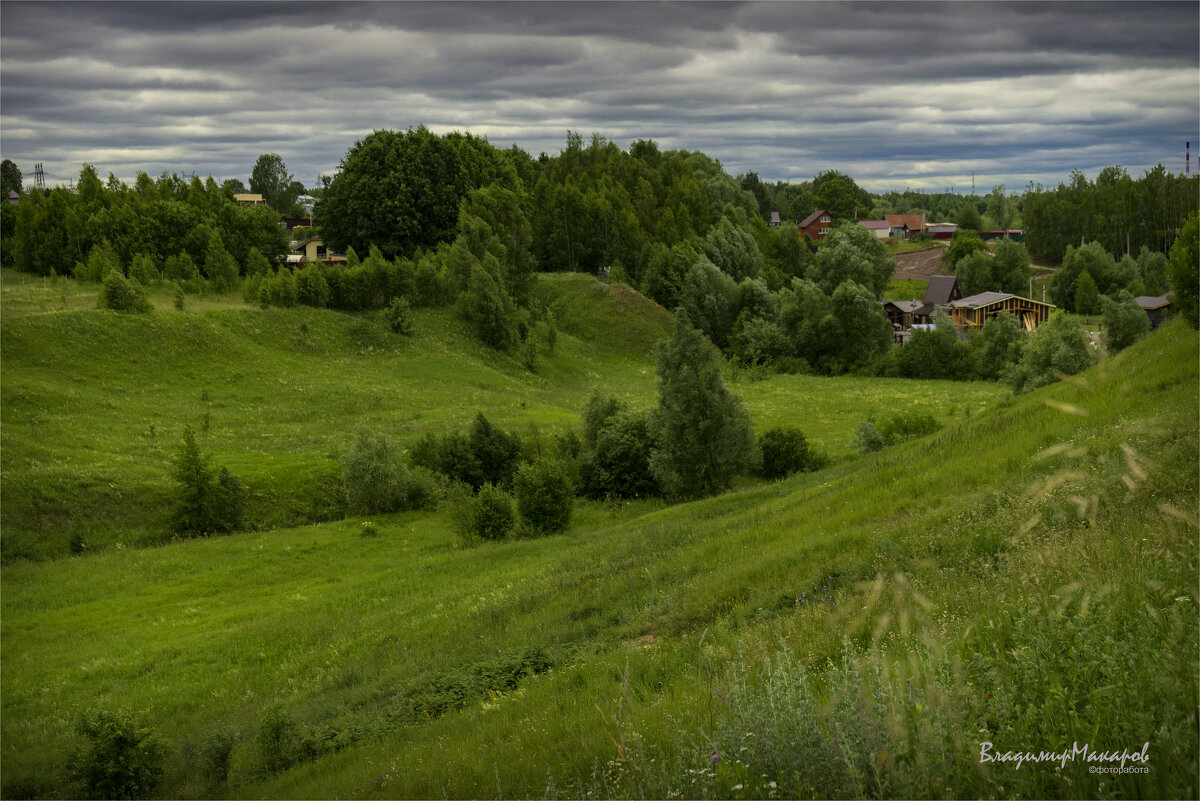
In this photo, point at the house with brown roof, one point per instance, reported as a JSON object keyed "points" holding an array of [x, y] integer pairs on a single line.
{"points": [[974, 311], [907, 313], [1154, 307], [817, 225], [906, 226], [942, 290]]}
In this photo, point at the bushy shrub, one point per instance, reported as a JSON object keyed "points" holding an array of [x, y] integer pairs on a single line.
{"points": [[312, 289], [962, 244], [867, 438], [904, 426], [257, 263], [142, 270], [181, 268], [936, 354], [100, 261], [1124, 322], [619, 464], [785, 451], [216, 754], [124, 295], [999, 345], [219, 267], [377, 481], [122, 758], [545, 497], [281, 743], [1057, 346], [493, 517], [496, 450], [599, 409], [399, 317]]}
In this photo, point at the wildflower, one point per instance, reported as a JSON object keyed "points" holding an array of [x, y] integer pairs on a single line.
{"points": [[716, 757]]}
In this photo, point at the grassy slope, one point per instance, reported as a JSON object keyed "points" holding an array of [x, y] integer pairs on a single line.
{"points": [[93, 403], [344, 632]]}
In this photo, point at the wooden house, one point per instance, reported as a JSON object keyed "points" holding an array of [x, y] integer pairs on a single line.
{"points": [[974, 311], [942, 290], [817, 225], [907, 313], [906, 226], [1155, 308], [248, 199], [774, 221]]}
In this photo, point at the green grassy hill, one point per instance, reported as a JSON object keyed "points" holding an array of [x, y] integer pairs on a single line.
{"points": [[1026, 577], [93, 404]]}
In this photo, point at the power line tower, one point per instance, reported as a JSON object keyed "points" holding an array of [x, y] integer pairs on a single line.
{"points": [[39, 176]]}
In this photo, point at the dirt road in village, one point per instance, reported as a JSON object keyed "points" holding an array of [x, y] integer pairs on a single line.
{"points": [[920, 265]]}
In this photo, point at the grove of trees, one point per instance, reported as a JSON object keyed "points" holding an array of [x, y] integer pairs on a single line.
{"points": [[1121, 214]]}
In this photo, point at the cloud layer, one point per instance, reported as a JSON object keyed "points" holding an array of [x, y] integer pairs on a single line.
{"points": [[895, 94]]}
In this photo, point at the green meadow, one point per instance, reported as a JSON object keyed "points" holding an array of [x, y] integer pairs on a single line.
{"points": [[93, 403], [1026, 576]]}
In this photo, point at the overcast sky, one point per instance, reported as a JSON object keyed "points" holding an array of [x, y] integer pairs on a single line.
{"points": [[895, 94]]}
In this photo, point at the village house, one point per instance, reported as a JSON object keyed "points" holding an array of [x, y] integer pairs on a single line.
{"points": [[907, 313], [906, 226], [1155, 308], [942, 290], [313, 250], [817, 225], [881, 228], [248, 199], [775, 222], [974, 311]]}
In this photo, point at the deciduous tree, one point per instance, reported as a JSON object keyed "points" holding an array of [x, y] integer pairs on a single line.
{"points": [[270, 178], [705, 436]]}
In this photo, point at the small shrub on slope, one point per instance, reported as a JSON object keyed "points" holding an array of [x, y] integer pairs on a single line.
{"points": [[124, 295], [545, 497], [785, 451], [122, 759]]}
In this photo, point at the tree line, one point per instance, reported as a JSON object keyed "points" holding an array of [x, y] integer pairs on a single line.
{"points": [[1120, 213]]}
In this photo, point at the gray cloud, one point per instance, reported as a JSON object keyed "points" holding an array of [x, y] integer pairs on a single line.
{"points": [[917, 94]]}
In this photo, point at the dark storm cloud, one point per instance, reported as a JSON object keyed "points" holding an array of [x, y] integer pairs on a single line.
{"points": [[893, 93]]}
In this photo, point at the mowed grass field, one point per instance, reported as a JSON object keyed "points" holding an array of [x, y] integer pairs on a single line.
{"points": [[93, 404], [1029, 572]]}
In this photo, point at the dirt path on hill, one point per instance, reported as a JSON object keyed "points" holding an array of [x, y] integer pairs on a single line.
{"points": [[918, 266], [921, 264]]}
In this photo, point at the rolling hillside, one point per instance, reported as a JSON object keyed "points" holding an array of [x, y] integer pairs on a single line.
{"points": [[1026, 576], [93, 403]]}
